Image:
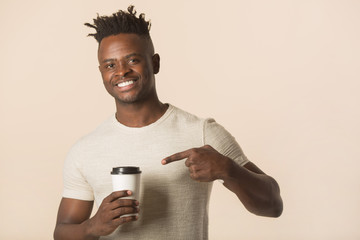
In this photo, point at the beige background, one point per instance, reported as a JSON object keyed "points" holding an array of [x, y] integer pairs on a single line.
{"points": [[281, 76]]}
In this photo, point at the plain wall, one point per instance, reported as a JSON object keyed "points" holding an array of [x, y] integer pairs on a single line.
{"points": [[282, 76]]}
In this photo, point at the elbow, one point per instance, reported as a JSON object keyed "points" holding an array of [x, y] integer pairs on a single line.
{"points": [[274, 206], [267, 205], [275, 203], [276, 209], [56, 233], [273, 210]]}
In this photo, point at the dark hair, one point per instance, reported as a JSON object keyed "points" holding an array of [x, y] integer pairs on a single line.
{"points": [[120, 22]]}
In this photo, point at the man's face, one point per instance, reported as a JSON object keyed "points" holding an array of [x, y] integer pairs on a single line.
{"points": [[127, 66]]}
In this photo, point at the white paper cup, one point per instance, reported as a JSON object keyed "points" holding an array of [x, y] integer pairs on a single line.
{"points": [[127, 178]]}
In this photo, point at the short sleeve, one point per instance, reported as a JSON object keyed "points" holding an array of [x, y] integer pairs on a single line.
{"points": [[75, 184], [220, 139]]}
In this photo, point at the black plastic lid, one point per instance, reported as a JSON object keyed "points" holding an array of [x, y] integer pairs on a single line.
{"points": [[125, 170]]}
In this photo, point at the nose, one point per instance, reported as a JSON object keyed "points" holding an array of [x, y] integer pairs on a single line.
{"points": [[122, 69]]}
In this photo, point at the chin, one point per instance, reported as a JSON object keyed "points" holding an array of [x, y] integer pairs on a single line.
{"points": [[127, 99]]}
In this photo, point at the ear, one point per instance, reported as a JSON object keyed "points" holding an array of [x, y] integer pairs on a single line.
{"points": [[156, 63]]}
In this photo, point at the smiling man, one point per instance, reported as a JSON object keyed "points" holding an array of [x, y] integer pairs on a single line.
{"points": [[127, 65], [180, 155]]}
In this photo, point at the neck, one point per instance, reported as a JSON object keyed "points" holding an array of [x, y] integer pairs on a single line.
{"points": [[140, 114]]}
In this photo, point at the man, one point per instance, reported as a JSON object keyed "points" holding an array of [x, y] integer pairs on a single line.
{"points": [[180, 155]]}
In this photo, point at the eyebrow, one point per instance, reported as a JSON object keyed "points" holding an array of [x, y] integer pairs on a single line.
{"points": [[127, 57]]}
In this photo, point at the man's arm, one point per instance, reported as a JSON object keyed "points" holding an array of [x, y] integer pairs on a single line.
{"points": [[259, 192], [74, 222]]}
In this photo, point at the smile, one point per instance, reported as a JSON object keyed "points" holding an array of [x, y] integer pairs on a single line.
{"points": [[124, 84]]}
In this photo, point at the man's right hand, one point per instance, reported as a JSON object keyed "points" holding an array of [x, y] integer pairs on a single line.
{"points": [[110, 213], [74, 222]]}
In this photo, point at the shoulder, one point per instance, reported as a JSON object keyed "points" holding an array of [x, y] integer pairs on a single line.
{"points": [[208, 126], [93, 138], [185, 117], [184, 114], [223, 141], [213, 127]]}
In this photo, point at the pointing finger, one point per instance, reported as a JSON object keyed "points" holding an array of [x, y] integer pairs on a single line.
{"points": [[177, 157]]}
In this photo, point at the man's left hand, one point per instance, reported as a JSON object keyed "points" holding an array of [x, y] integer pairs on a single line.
{"points": [[205, 163]]}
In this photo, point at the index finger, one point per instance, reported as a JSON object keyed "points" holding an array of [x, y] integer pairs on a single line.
{"points": [[176, 157], [117, 194]]}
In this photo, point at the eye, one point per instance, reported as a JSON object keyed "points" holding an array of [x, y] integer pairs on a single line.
{"points": [[110, 66], [133, 61]]}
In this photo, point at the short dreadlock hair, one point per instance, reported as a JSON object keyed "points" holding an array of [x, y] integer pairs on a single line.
{"points": [[120, 22]]}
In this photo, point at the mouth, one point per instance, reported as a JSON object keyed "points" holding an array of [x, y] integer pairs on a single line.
{"points": [[126, 83]]}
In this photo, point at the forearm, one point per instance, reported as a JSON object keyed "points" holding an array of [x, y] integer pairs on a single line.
{"points": [[67, 231], [259, 193]]}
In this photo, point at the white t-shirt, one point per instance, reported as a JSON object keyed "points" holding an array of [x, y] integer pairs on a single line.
{"points": [[172, 205]]}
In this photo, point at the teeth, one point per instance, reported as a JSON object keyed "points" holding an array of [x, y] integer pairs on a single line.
{"points": [[123, 84]]}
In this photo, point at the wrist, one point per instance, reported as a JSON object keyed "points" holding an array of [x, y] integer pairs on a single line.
{"points": [[227, 170], [89, 230]]}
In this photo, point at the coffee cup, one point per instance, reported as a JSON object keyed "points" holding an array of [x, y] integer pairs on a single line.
{"points": [[126, 178]]}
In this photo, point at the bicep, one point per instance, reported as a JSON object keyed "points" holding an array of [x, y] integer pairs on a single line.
{"points": [[74, 211]]}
